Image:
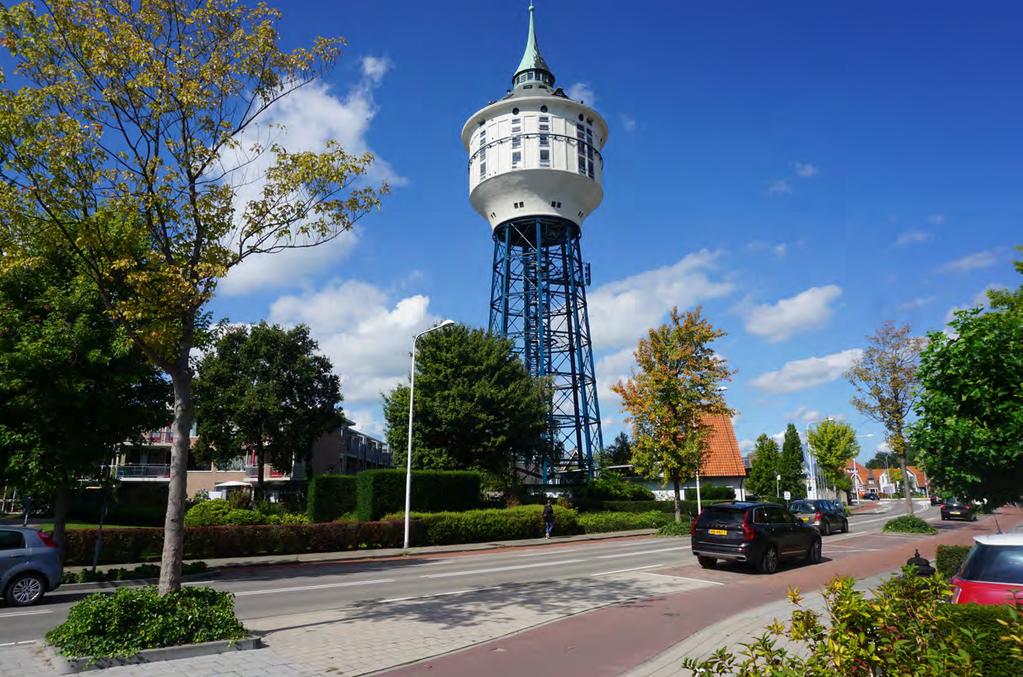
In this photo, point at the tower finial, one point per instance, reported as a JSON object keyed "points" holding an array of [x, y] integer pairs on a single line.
{"points": [[532, 60]]}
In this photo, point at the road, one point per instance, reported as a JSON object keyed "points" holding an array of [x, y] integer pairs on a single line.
{"points": [[277, 590]]}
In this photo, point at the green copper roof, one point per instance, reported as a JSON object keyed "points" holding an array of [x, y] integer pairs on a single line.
{"points": [[531, 58]]}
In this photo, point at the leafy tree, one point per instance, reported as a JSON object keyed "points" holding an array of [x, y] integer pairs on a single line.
{"points": [[833, 444], [133, 142], [265, 389], [72, 387], [676, 388], [970, 427], [619, 452], [764, 469], [887, 386], [476, 407], [883, 459], [790, 464]]}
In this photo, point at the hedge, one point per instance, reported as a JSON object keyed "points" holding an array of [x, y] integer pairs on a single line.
{"points": [[712, 491], [989, 653], [145, 544], [601, 522], [380, 492], [949, 558], [329, 497], [909, 524], [688, 507], [218, 512], [612, 487], [477, 526]]}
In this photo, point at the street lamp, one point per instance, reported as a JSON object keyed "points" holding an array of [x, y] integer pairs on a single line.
{"points": [[408, 456], [777, 485]]}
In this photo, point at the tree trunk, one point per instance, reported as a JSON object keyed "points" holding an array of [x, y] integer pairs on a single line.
{"points": [[60, 499], [905, 483], [678, 500], [173, 528]]}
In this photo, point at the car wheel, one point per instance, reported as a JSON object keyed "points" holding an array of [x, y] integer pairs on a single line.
{"points": [[845, 526], [25, 590], [813, 554], [707, 562], [826, 528], [768, 562]]}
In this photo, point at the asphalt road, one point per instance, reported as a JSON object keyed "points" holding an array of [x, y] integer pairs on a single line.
{"points": [[277, 590]]}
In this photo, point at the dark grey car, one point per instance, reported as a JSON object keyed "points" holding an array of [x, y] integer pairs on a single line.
{"points": [[29, 565]]}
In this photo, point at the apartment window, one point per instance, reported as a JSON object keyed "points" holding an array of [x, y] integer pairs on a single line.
{"points": [[516, 158], [545, 157], [483, 169], [516, 129]]}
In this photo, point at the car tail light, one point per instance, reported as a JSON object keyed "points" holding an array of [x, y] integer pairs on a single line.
{"points": [[47, 539], [692, 525], [817, 517], [747, 530]]}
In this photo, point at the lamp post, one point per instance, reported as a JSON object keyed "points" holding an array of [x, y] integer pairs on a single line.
{"points": [[777, 485], [408, 456]]}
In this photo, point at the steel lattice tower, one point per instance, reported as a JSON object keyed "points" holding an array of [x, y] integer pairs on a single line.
{"points": [[535, 173]]}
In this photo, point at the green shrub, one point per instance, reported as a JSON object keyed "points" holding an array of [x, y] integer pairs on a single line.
{"points": [[207, 513], [674, 528], [600, 522], [639, 506], [476, 526], [949, 558], [140, 572], [380, 492], [136, 618], [909, 524], [989, 648], [611, 486], [713, 491], [242, 516], [329, 497], [219, 512], [287, 518]]}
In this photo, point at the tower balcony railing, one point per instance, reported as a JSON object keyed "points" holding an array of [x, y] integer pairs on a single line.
{"points": [[555, 138], [142, 471]]}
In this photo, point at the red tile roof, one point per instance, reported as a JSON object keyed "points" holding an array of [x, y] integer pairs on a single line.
{"points": [[723, 458]]}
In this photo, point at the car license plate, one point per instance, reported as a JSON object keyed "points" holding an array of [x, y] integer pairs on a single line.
{"points": [[953, 512], [718, 532]]}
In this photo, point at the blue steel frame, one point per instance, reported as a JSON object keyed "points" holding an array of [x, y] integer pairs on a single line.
{"points": [[538, 299]]}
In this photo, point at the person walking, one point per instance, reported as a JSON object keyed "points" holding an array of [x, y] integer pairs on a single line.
{"points": [[548, 519]]}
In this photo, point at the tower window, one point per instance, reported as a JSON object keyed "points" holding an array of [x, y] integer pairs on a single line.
{"points": [[527, 87], [543, 109], [545, 157], [580, 117], [516, 141], [515, 111], [516, 158], [555, 204], [483, 169]]}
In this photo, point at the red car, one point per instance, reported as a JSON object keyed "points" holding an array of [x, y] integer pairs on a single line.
{"points": [[993, 571]]}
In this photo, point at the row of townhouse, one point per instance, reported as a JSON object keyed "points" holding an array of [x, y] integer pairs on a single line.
{"points": [[345, 451], [880, 480]]}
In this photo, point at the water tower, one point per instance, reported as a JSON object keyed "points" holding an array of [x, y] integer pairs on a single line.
{"points": [[535, 174]]}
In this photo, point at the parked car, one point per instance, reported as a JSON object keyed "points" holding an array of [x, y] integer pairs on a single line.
{"points": [[992, 571], [29, 565], [827, 516], [872, 496], [955, 509], [759, 533]]}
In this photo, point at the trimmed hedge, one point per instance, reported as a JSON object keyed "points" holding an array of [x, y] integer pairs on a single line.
{"points": [[688, 507], [909, 524], [989, 653], [949, 558], [713, 491], [477, 526], [330, 496], [144, 544], [380, 492], [612, 487], [218, 512], [602, 522]]}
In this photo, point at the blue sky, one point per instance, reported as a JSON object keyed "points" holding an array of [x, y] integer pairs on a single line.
{"points": [[804, 170]]}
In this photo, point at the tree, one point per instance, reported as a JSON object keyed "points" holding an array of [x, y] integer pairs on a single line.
{"points": [[619, 452], [887, 386], [476, 407], [790, 464], [135, 143], [677, 386], [764, 469], [265, 389], [970, 413], [883, 459], [833, 444], [72, 387]]}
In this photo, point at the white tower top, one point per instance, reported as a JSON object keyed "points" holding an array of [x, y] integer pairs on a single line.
{"points": [[535, 151]]}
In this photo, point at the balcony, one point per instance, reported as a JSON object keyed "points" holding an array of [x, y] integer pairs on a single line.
{"points": [[143, 471], [252, 471]]}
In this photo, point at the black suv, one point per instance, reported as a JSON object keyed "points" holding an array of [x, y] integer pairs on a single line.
{"points": [[827, 516], [760, 533], [956, 509]]}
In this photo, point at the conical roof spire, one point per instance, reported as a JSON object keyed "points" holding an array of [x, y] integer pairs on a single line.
{"points": [[532, 60]]}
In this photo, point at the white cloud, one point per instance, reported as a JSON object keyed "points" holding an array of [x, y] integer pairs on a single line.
{"points": [[629, 123], [805, 170], [936, 219], [746, 446], [366, 335], [980, 300], [975, 261], [305, 121], [611, 369], [622, 311], [914, 304], [808, 373], [808, 309], [913, 237], [779, 187], [581, 91], [779, 250], [804, 415]]}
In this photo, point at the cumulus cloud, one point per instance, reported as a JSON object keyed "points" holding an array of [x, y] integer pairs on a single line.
{"points": [[366, 334], [804, 415], [779, 250], [917, 303], [779, 187], [936, 219], [581, 91], [622, 311], [808, 309], [808, 373], [913, 237], [976, 261], [629, 123], [305, 121], [805, 170], [746, 446]]}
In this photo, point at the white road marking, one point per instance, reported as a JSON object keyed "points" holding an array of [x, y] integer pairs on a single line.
{"points": [[551, 552], [437, 594], [643, 552], [322, 586], [33, 612], [507, 568], [622, 571]]}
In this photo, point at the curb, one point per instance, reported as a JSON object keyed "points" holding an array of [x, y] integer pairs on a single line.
{"points": [[68, 666], [103, 585]]}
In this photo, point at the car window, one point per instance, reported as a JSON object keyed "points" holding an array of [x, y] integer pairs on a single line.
{"points": [[11, 540], [802, 507], [777, 515], [759, 516], [720, 517], [994, 564]]}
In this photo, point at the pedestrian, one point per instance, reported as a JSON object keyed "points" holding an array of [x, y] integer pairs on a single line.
{"points": [[548, 519]]}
